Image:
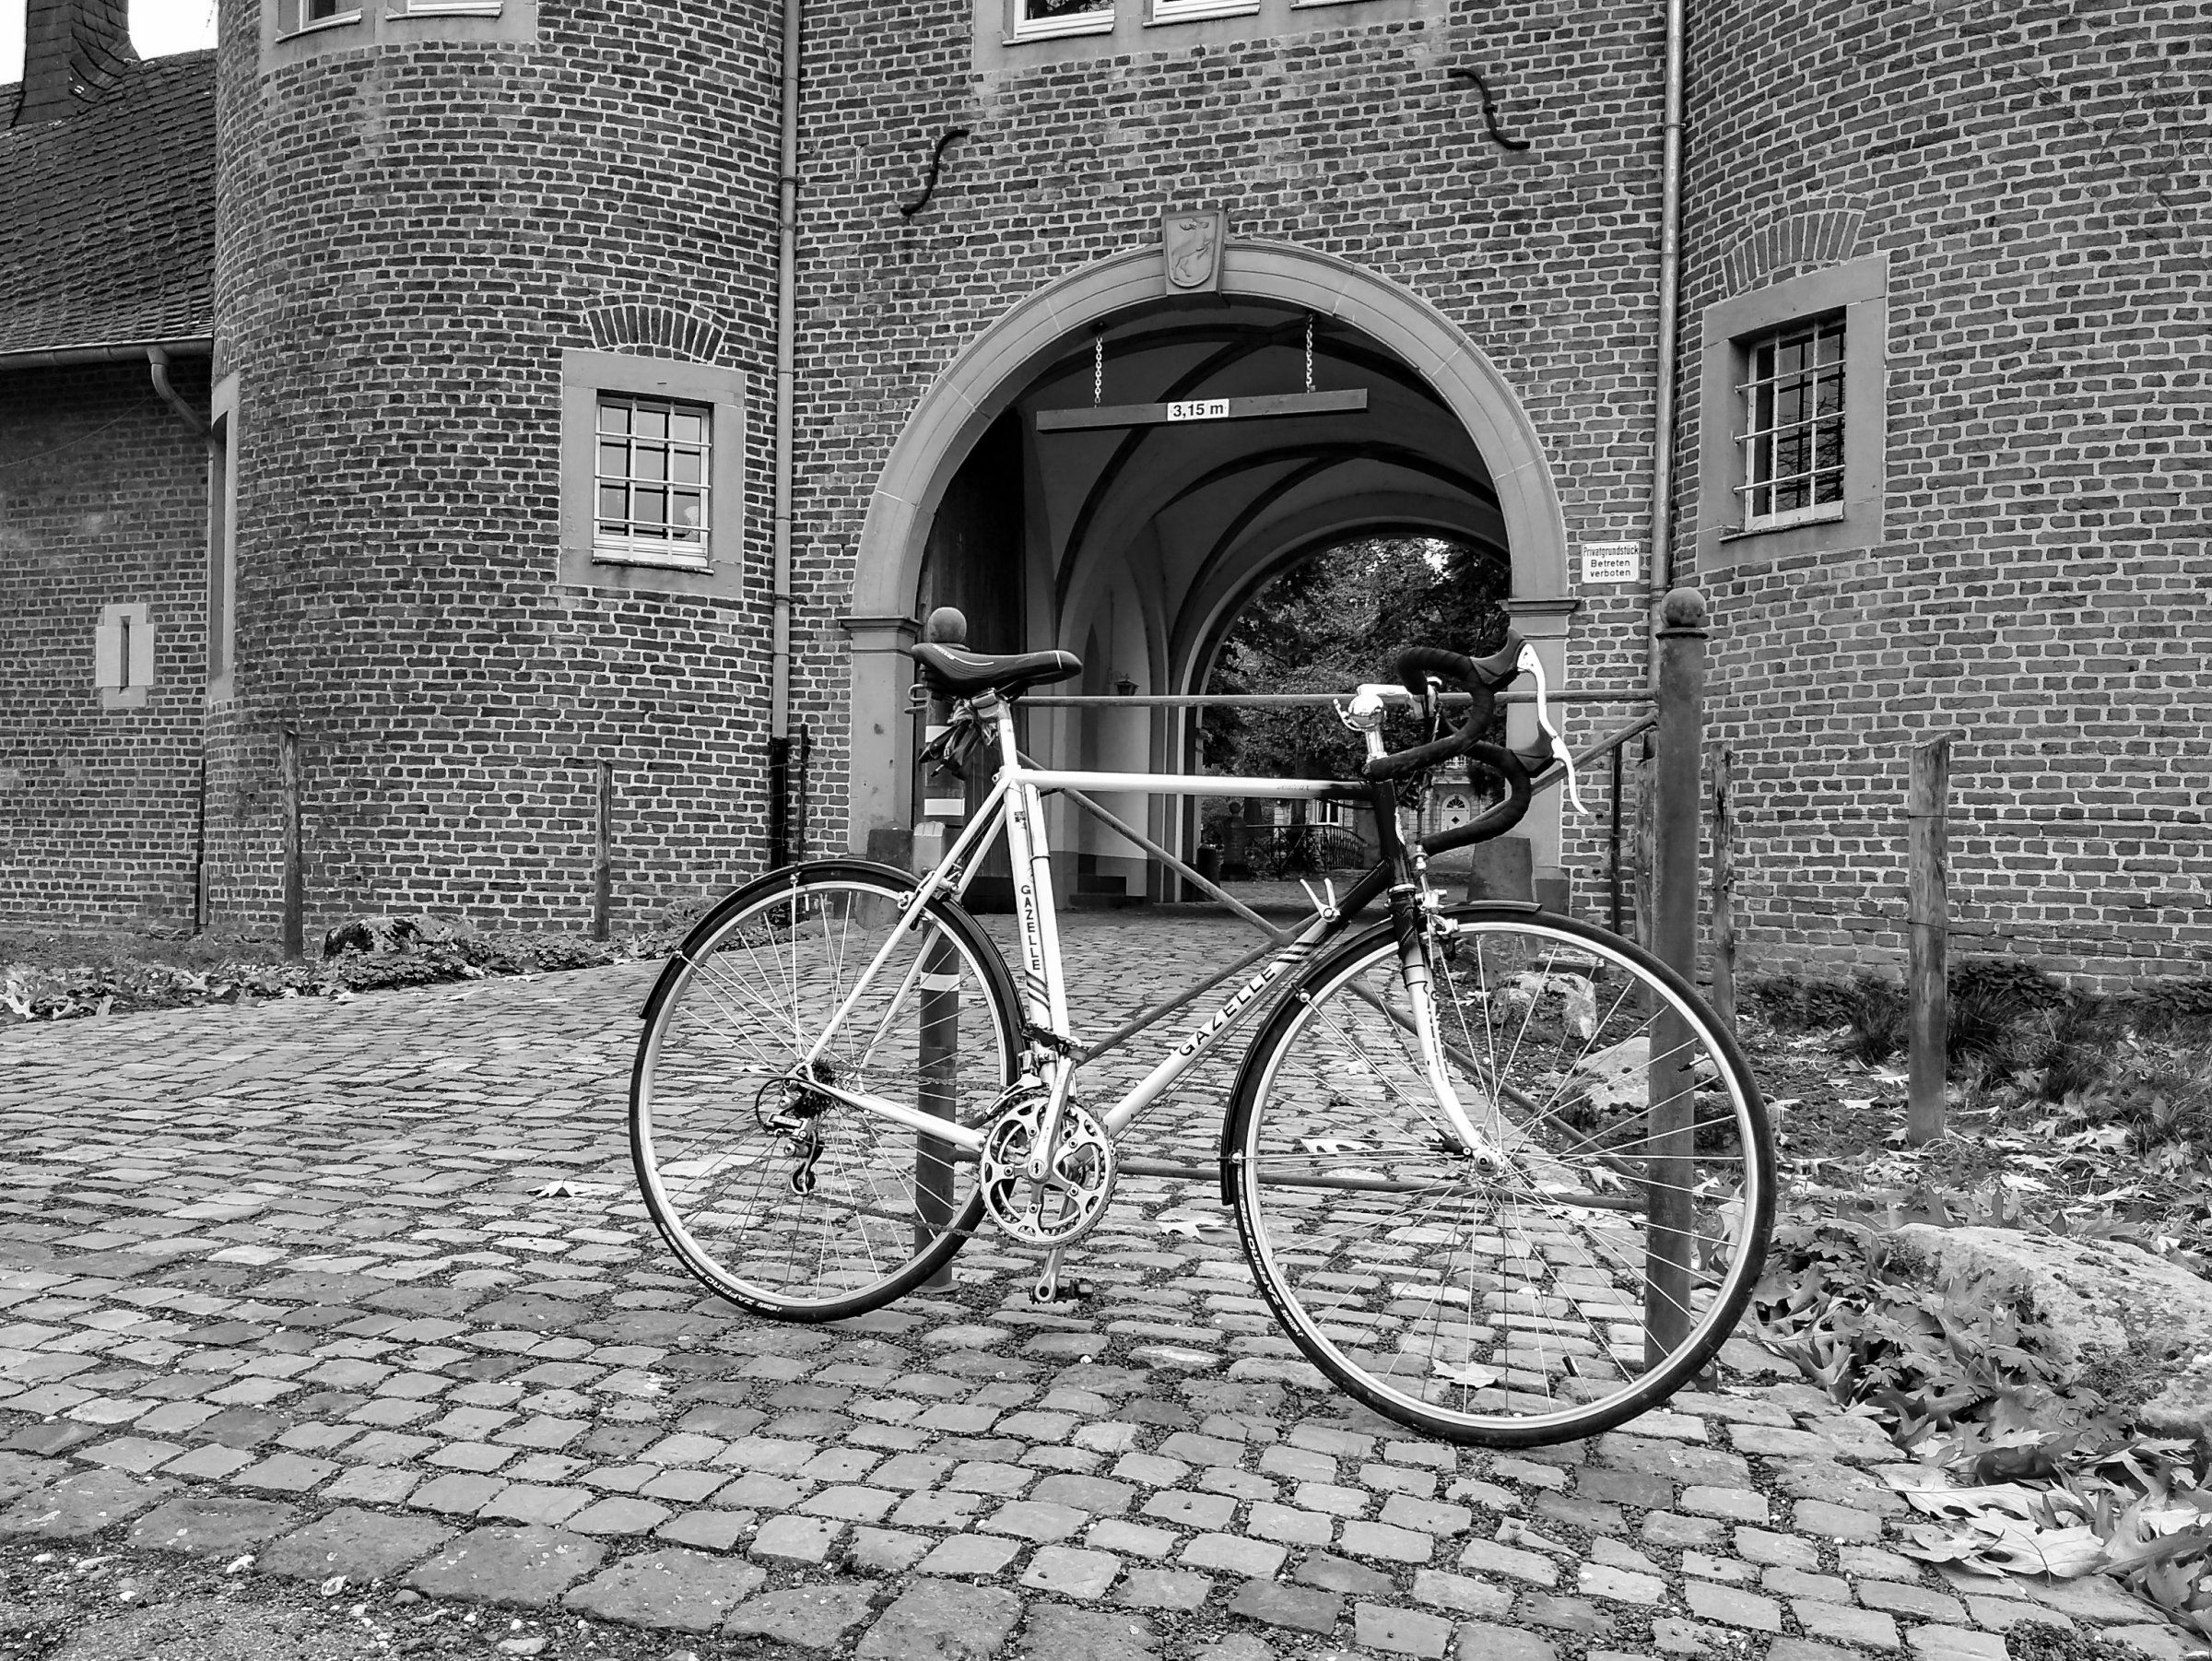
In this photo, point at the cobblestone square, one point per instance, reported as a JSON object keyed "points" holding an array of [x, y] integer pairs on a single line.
{"points": [[364, 1288]]}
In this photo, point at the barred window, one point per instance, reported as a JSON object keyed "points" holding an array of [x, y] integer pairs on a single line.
{"points": [[1792, 428], [652, 480]]}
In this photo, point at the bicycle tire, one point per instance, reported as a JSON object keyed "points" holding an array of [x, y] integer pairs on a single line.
{"points": [[1418, 1310], [830, 1210]]}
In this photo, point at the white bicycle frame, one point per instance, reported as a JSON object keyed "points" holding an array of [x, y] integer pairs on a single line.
{"points": [[1017, 799]]}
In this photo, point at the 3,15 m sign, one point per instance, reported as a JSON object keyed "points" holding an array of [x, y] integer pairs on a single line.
{"points": [[1203, 409]]}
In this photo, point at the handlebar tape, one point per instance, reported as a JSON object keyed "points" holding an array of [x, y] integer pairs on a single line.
{"points": [[1480, 677]]}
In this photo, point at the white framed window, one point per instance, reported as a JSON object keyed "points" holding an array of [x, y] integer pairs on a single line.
{"points": [[653, 478], [304, 17], [295, 30], [1046, 20], [1017, 35], [123, 656], [1792, 425], [652, 472]]}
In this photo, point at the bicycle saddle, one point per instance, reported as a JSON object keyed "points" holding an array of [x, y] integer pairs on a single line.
{"points": [[960, 674]]}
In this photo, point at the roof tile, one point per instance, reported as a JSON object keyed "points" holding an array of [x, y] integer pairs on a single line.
{"points": [[107, 228]]}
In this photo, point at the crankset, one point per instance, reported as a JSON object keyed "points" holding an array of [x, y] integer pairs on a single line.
{"points": [[1065, 1202]]}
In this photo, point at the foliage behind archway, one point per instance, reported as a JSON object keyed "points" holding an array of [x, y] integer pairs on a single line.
{"points": [[1328, 623]]}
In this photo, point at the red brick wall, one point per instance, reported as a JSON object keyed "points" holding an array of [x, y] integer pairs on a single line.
{"points": [[409, 238], [103, 501], [2036, 177], [1349, 140]]}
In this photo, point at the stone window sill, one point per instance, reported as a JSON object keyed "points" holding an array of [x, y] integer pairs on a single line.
{"points": [[1166, 14], [636, 556], [1826, 513]]}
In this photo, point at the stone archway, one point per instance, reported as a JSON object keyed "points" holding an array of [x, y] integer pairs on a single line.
{"points": [[980, 383]]}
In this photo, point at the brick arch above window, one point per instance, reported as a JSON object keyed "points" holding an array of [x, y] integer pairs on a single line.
{"points": [[641, 326], [1813, 236]]}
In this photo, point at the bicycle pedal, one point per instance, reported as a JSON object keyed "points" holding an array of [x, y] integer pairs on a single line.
{"points": [[1067, 1288]]}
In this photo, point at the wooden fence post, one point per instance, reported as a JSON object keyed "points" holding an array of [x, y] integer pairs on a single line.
{"points": [[602, 857], [1927, 916], [944, 805], [1724, 887], [1671, 1250], [292, 924], [1644, 837]]}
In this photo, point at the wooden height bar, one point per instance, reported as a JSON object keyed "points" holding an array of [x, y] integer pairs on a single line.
{"points": [[1201, 409]]}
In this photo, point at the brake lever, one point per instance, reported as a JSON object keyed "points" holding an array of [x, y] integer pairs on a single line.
{"points": [[1529, 663]]}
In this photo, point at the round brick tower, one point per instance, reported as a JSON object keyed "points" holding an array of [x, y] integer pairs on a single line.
{"points": [[481, 645], [1988, 220]]}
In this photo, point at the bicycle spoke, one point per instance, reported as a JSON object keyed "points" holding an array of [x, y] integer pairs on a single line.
{"points": [[799, 1201], [1503, 1305]]}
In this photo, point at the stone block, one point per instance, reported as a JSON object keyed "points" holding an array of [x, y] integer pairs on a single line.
{"points": [[526, 1568], [1054, 1632], [1072, 1573], [209, 1528], [972, 1554], [678, 1590], [81, 1505], [1486, 1641], [1164, 1589], [1459, 1592], [1401, 1631], [1731, 1606], [942, 1620], [1233, 1554], [360, 1545], [617, 1515]]}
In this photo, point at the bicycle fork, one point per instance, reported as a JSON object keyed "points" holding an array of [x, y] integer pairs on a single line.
{"points": [[1410, 921], [1414, 922]]}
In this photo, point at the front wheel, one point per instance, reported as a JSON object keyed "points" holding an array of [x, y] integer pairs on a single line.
{"points": [[1573, 1270], [790, 1201]]}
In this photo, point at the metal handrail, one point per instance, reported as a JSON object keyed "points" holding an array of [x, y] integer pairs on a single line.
{"points": [[1184, 700]]}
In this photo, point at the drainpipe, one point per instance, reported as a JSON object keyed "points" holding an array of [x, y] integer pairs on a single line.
{"points": [[1670, 282], [787, 307], [157, 363], [59, 357], [157, 360]]}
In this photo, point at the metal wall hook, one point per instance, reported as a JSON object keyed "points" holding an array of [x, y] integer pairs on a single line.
{"points": [[937, 162], [1489, 110]]}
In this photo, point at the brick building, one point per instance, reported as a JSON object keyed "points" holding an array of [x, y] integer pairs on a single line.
{"points": [[523, 535]]}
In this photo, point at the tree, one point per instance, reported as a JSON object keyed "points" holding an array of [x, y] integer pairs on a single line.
{"points": [[1333, 622]]}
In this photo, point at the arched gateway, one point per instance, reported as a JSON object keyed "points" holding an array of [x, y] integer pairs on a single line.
{"points": [[1488, 481]]}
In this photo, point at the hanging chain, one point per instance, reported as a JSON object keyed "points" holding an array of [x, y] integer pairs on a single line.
{"points": [[1309, 352], [1098, 366]]}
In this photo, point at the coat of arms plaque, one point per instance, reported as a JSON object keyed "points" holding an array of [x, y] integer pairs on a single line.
{"points": [[1191, 244]]}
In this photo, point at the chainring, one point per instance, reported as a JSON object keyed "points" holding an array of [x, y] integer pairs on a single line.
{"points": [[1070, 1200]]}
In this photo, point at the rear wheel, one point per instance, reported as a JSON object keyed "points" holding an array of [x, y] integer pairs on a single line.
{"points": [[786, 1200], [1580, 1274]]}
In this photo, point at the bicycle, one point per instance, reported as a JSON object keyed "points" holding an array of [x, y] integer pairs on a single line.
{"points": [[1499, 1174]]}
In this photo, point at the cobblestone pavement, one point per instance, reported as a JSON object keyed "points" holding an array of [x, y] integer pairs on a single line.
{"points": [[362, 1289]]}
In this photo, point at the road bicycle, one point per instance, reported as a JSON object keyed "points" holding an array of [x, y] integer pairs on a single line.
{"points": [[1499, 1174]]}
